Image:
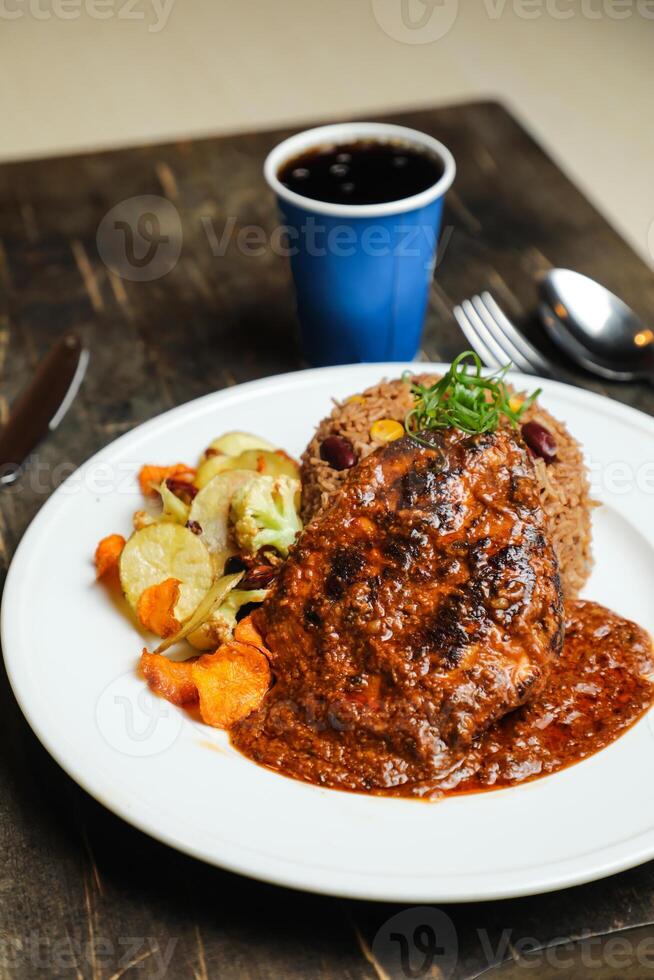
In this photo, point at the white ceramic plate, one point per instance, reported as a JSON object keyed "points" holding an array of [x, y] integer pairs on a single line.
{"points": [[71, 658]]}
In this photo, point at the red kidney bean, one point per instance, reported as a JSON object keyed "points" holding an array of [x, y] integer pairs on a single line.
{"points": [[540, 440], [185, 491], [260, 577], [338, 452]]}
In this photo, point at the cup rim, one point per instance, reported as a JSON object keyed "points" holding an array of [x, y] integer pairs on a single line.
{"points": [[342, 133]]}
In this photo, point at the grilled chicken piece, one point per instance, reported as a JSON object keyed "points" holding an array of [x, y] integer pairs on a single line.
{"points": [[421, 606]]}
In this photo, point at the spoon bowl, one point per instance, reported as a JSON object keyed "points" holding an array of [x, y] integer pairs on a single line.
{"points": [[595, 328]]}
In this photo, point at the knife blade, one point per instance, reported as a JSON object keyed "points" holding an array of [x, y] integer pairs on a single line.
{"points": [[41, 406]]}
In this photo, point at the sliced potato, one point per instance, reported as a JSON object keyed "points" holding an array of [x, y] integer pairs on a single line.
{"points": [[235, 443], [210, 510], [276, 463], [214, 598], [163, 551], [211, 467]]}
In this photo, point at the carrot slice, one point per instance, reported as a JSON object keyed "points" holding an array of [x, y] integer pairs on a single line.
{"points": [[247, 632], [173, 681], [231, 683], [155, 608], [108, 553], [151, 477]]}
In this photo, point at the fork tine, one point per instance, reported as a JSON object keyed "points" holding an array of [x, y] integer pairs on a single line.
{"points": [[474, 339], [488, 336], [509, 349], [539, 364]]}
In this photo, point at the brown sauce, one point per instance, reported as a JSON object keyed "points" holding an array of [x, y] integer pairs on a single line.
{"points": [[598, 689]]}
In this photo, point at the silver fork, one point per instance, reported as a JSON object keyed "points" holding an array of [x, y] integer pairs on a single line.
{"points": [[492, 335]]}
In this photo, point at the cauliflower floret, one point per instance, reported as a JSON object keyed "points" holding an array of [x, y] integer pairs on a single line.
{"points": [[228, 611], [264, 515], [220, 626]]}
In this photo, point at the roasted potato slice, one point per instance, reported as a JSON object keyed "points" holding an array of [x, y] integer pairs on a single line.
{"points": [[167, 551], [210, 510], [277, 463], [211, 467], [235, 443], [269, 463], [231, 683]]}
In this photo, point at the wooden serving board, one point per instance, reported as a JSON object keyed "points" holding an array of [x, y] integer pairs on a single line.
{"points": [[81, 893]]}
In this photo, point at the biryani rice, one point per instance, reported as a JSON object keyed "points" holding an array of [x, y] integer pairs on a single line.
{"points": [[564, 487]]}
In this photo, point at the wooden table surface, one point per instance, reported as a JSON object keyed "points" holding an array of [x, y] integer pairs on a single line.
{"points": [[81, 893]]}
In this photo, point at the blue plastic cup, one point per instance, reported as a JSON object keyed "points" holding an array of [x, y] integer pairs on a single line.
{"points": [[361, 271]]}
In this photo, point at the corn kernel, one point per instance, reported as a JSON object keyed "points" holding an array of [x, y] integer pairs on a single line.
{"points": [[515, 403], [355, 400], [386, 430]]}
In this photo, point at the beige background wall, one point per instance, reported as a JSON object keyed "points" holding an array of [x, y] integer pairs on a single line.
{"points": [[87, 73]]}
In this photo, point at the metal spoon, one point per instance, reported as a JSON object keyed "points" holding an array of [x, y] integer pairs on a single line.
{"points": [[595, 328]]}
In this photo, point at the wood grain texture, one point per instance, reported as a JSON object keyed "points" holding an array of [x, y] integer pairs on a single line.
{"points": [[81, 893]]}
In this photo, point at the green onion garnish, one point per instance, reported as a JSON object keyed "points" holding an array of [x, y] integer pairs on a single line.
{"points": [[464, 399]]}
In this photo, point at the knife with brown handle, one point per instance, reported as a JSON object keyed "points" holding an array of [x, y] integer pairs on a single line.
{"points": [[41, 406]]}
